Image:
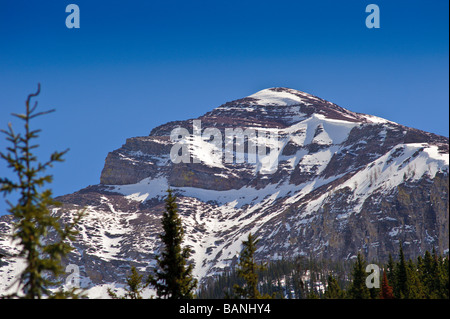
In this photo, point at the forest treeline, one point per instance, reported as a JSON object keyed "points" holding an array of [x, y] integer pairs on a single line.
{"points": [[426, 277]]}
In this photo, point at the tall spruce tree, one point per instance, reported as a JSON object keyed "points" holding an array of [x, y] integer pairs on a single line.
{"points": [[426, 273], [173, 279], [333, 290], [135, 286], [446, 273], [358, 288], [32, 219], [248, 270], [390, 270], [438, 274], [402, 283], [415, 290]]}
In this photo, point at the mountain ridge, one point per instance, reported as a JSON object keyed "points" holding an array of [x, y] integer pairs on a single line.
{"points": [[344, 183]]}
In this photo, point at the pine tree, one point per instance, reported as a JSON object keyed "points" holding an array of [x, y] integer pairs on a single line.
{"points": [[446, 273], [333, 290], [248, 270], [390, 270], [415, 287], [32, 218], [438, 275], [386, 289], [358, 288], [402, 284], [135, 286], [426, 274], [174, 278]]}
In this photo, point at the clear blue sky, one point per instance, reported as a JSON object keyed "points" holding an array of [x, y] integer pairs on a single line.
{"points": [[134, 65]]}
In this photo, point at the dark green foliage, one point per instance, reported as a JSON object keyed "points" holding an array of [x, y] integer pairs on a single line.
{"points": [[446, 275], [248, 270], [415, 286], [433, 274], [174, 278], [32, 218], [390, 270], [358, 288], [285, 278], [135, 286], [303, 278], [333, 290], [402, 282], [425, 278]]}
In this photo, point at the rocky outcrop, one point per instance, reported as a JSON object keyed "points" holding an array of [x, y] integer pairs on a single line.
{"points": [[139, 157]]}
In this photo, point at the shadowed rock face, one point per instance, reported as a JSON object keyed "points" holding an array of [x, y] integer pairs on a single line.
{"points": [[345, 183]]}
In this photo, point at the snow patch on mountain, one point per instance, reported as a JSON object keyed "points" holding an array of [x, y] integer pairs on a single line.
{"points": [[269, 97], [404, 162]]}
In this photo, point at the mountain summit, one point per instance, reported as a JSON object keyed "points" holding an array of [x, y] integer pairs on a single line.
{"points": [[341, 183], [291, 106]]}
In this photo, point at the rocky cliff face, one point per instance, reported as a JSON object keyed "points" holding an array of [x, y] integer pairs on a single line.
{"points": [[344, 183]]}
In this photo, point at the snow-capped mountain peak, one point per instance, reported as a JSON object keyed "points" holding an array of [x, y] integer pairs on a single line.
{"points": [[279, 97], [344, 183]]}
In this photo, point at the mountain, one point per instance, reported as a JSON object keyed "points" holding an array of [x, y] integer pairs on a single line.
{"points": [[306, 175]]}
